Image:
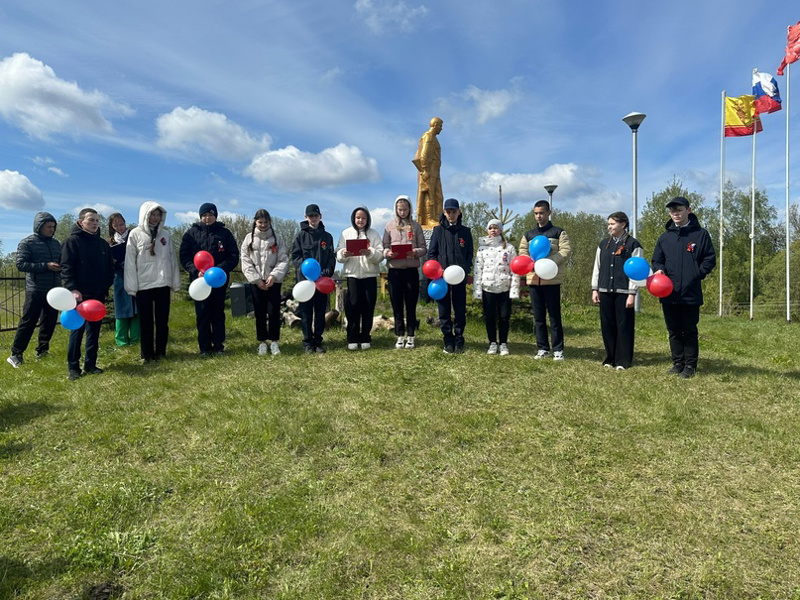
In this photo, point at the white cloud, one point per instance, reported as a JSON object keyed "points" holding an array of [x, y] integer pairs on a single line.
{"points": [[35, 100], [380, 217], [490, 104], [294, 169], [102, 209], [18, 193], [383, 15], [225, 216], [196, 130], [57, 171]]}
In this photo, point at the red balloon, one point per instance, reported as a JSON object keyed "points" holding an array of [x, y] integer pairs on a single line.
{"points": [[91, 310], [325, 285], [432, 269], [521, 265], [659, 285], [203, 261]]}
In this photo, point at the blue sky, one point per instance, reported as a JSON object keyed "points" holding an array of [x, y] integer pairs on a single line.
{"points": [[280, 103]]}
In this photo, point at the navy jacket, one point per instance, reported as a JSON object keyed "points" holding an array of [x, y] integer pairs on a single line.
{"points": [[215, 239], [451, 244], [313, 243], [686, 255], [33, 254]]}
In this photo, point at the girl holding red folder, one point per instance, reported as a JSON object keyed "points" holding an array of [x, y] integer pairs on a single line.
{"points": [[361, 267], [403, 245]]}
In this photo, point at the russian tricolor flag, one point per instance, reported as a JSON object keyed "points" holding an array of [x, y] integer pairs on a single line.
{"points": [[765, 89]]}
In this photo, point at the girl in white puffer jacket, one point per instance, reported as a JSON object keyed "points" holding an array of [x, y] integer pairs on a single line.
{"points": [[496, 285]]}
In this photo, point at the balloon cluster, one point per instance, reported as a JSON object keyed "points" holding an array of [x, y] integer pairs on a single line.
{"points": [[640, 273], [314, 281], [212, 277], [74, 315], [441, 278], [539, 249]]}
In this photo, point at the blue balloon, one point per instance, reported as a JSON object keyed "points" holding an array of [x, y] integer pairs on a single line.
{"points": [[310, 269], [437, 289], [70, 319], [636, 268], [539, 247], [215, 277]]}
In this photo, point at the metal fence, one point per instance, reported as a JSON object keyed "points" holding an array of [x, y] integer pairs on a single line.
{"points": [[12, 297]]}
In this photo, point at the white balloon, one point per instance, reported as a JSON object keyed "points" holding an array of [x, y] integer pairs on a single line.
{"points": [[304, 290], [199, 290], [454, 275], [545, 268], [61, 299]]}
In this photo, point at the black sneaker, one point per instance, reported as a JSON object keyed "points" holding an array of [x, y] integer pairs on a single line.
{"points": [[308, 349], [687, 373], [320, 349], [675, 370], [43, 354], [459, 349], [94, 371], [74, 374], [448, 349]]}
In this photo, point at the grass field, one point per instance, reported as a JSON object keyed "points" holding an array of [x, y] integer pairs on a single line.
{"points": [[405, 474]]}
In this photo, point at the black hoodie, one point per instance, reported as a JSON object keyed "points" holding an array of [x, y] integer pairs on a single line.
{"points": [[451, 244], [86, 263]]}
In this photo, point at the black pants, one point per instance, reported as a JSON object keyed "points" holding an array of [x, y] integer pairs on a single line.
{"points": [[617, 326], [153, 305], [404, 292], [359, 308], [312, 315], [497, 312], [35, 311], [546, 300], [453, 328], [682, 320], [211, 321], [92, 329], [267, 306]]}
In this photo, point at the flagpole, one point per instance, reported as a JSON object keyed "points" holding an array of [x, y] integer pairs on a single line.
{"points": [[721, 198], [788, 234], [753, 212]]}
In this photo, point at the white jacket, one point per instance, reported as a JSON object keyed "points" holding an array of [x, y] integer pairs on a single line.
{"points": [[269, 257], [146, 271], [493, 268], [360, 267]]}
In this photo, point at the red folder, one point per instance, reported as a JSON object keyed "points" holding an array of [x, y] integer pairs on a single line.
{"points": [[356, 246], [402, 250]]}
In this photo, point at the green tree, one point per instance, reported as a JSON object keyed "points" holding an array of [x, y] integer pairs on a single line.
{"points": [[475, 215], [64, 226]]}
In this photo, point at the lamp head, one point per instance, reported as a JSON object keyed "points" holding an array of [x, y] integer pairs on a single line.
{"points": [[633, 120], [550, 188]]}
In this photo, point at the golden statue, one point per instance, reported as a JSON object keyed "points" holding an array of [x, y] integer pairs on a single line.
{"points": [[428, 161]]}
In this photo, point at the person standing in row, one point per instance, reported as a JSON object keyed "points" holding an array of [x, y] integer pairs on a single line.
{"points": [[614, 292], [451, 244], [495, 285], [39, 257], [403, 275], [152, 273], [265, 264], [313, 241], [87, 270], [126, 317], [685, 253], [546, 293], [361, 268], [213, 237]]}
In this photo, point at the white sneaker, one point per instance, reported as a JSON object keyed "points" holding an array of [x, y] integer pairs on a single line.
{"points": [[542, 354], [274, 349], [352, 346], [492, 348], [504, 350], [410, 342], [620, 368], [401, 342], [365, 346], [262, 348], [558, 355]]}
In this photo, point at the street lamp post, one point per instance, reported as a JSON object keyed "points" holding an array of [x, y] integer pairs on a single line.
{"points": [[633, 120], [550, 188]]}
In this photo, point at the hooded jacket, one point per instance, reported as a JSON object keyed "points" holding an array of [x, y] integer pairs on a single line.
{"points": [[215, 239], [33, 254], [268, 257], [313, 243], [493, 268], [451, 244], [403, 231], [86, 264], [146, 271], [686, 254], [360, 266], [560, 250]]}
